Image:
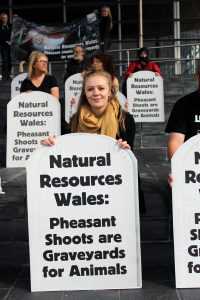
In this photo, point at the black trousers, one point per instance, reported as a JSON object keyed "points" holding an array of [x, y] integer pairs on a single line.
{"points": [[142, 206], [6, 62]]}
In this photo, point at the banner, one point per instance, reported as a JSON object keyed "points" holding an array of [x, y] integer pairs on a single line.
{"points": [[145, 96], [30, 118], [56, 42], [83, 215], [186, 213], [16, 84]]}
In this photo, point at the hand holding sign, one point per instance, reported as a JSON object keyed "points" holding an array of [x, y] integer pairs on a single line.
{"points": [[51, 140]]}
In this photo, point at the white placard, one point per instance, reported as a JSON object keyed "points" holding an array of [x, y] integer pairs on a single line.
{"points": [[16, 84], [83, 215], [122, 99], [146, 97], [186, 213], [73, 87], [30, 118]]}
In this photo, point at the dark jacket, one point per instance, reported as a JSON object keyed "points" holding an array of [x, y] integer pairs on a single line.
{"points": [[5, 34], [75, 66], [104, 27]]}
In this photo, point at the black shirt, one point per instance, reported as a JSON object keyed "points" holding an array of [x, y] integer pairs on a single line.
{"points": [[48, 82], [75, 66], [104, 27], [185, 116]]}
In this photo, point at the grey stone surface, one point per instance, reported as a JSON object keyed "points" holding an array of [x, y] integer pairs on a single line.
{"points": [[97, 295], [21, 290], [151, 291]]}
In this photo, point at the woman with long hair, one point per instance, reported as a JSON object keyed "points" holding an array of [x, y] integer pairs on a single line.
{"points": [[38, 78], [102, 61], [99, 111]]}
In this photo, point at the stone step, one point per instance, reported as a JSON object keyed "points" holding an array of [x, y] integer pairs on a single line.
{"points": [[15, 229]]}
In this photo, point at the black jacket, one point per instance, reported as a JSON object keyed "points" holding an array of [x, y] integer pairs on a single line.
{"points": [[5, 34], [74, 66]]}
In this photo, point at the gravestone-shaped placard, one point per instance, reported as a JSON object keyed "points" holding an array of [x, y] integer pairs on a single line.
{"points": [[186, 213], [146, 96], [30, 118], [83, 215], [122, 99], [73, 87], [16, 84]]}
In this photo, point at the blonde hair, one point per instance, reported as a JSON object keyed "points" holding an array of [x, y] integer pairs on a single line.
{"points": [[33, 58], [109, 14], [83, 99]]}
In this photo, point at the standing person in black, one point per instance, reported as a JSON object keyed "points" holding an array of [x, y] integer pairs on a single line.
{"points": [[184, 120], [78, 63], [5, 36], [105, 26]]}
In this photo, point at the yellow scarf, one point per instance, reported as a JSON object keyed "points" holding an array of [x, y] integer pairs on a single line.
{"points": [[107, 124]]}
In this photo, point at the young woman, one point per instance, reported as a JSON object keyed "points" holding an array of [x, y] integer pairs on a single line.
{"points": [[38, 78], [99, 111]]}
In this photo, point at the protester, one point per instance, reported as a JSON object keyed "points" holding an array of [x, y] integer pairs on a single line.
{"points": [[5, 43], [78, 63], [99, 112], [102, 61], [184, 120], [142, 64], [38, 78], [105, 26]]}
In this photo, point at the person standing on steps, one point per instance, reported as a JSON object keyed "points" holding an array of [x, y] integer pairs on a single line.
{"points": [[5, 43]]}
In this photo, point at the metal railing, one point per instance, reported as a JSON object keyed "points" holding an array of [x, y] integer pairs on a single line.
{"points": [[165, 57]]}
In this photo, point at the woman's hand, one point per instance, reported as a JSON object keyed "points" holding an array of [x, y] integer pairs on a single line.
{"points": [[50, 141], [28, 91], [123, 144], [170, 179], [126, 104], [73, 102]]}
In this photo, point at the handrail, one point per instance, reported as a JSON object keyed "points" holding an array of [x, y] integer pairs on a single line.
{"points": [[194, 53], [174, 46]]}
